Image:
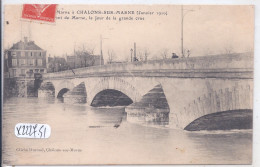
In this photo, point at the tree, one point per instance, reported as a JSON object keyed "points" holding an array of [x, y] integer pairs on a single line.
{"points": [[154, 57], [186, 52], [228, 49], [164, 53], [84, 55], [111, 56], [146, 54], [90, 50], [140, 55]]}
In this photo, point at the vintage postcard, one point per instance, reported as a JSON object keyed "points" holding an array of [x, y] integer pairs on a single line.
{"points": [[127, 84]]}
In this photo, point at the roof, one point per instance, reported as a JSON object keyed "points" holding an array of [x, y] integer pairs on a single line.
{"points": [[25, 46]]}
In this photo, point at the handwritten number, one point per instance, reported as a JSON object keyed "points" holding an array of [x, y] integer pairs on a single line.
{"points": [[31, 130]]}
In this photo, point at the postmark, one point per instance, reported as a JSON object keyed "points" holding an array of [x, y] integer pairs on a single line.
{"points": [[39, 12]]}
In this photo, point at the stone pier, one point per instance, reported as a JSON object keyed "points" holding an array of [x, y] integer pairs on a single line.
{"points": [[152, 109], [46, 90], [76, 95]]}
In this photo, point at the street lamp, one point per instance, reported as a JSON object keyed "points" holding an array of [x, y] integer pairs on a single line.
{"points": [[182, 18]]}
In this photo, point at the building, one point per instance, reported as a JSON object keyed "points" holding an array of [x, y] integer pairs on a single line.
{"points": [[56, 64], [24, 63], [24, 59], [82, 59]]}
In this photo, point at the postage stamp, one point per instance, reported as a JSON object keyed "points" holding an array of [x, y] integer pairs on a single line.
{"points": [[40, 12]]}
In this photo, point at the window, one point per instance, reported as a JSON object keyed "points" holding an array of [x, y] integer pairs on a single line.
{"points": [[31, 70], [22, 61], [40, 53], [31, 53], [14, 62], [23, 71], [31, 62], [22, 54], [36, 70], [14, 72], [39, 62], [42, 70], [13, 54]]}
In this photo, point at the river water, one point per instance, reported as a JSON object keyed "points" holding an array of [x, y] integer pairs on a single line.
{"points": [[92, 134]]}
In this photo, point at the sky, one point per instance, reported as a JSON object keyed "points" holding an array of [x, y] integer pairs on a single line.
{"points": [[207, 30]]}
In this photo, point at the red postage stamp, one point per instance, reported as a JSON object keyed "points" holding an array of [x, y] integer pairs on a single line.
{"points": [[40, 12]]}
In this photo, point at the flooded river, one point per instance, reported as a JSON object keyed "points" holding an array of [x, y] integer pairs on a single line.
{"points": [[103, 136]]}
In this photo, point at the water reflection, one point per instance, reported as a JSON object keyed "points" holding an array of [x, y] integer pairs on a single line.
{"points": [[104, 136], [235, 143]]}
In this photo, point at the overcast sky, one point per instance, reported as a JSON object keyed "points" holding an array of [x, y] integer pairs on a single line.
{"points": [[207, 30]]}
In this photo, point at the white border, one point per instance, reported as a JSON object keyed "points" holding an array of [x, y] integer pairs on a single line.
{"points": [[256, 128]]}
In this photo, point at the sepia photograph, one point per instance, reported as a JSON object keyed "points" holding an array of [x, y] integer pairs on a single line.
{"points": [[127, 84]]}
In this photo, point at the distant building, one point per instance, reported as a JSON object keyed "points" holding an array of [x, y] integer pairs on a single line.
{"points": [[24, 59], [56, 64], [83, 59], [71, 61]]}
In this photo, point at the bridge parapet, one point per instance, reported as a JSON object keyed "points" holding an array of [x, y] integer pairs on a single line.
{"points": [[182, 66]]}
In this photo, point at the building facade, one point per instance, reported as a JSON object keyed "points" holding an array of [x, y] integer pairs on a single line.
{"points": [[24, 64], [82, 59], [24, 59]]}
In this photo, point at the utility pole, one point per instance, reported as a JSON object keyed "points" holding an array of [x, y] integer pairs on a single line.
{"points": [[135, 52], [182, 55], [101, 52], [131, 50], [74, 49], [182, 19]]}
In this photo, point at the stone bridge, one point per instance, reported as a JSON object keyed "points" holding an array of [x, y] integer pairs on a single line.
{"points": [[193, 87]]}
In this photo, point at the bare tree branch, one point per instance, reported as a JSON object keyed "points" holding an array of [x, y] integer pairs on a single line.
{"points": [[111, 56], [146, 54], [164, 53]]}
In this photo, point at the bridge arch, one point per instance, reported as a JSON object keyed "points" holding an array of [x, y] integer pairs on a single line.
{"points": [[62, 92], [237, 98], [114, 83], [224, 120], [111, 97], [63, 86]]}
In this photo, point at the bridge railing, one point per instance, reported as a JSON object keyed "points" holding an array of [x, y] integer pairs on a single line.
{"points": [[230, 61]]}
